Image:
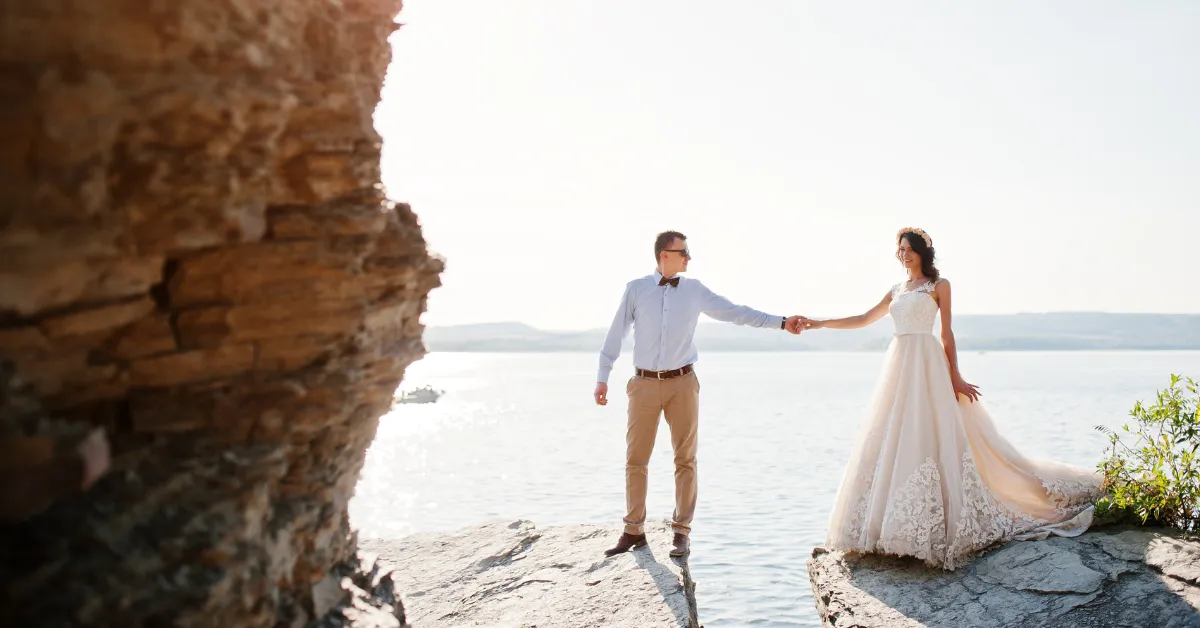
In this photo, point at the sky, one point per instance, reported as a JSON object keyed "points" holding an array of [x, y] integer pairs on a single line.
{"points": [[1051, 150]]}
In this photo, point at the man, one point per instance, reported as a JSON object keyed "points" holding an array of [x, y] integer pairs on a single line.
{"points": [[663, 309]]}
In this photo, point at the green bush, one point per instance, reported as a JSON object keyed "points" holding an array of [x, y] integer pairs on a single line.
{"points": [[1152, 471]]}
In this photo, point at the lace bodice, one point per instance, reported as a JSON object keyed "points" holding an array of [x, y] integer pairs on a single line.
{"points": [[913, 311]]}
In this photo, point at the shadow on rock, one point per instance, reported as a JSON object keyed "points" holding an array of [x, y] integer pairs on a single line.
{"points": [[670, 584]]}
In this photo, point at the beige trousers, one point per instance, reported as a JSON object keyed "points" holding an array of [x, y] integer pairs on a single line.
{"points": [[679, 400]]}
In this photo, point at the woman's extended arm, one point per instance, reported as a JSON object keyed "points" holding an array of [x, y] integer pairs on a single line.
{"points": [[854, 322]]}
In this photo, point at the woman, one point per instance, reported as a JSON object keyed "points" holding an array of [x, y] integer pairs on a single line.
{"points": [[930, 476]]}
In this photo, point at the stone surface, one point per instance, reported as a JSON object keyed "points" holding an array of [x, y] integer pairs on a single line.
{"points": [[358, 593], [1115, 576], [196, 255], [509, 575]]}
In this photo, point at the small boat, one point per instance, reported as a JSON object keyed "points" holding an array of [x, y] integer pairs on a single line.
{"points": [[424, 394]]}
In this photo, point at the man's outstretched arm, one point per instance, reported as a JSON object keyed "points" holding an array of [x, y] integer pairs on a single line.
{"points": [[722, 309]]}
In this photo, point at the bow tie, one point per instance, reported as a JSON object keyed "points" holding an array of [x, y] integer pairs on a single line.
{"points": [[674, 281]]}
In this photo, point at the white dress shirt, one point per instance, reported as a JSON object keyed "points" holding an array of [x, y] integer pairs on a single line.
{"points": [[664, 323]]}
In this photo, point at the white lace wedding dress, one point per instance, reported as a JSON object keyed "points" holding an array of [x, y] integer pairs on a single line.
{"points": [[931, 477]]}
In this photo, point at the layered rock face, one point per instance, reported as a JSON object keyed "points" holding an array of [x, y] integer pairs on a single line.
{"points": [[196, 255]]}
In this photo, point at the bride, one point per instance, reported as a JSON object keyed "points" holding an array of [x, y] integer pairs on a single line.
{"points": [[930, 476]]}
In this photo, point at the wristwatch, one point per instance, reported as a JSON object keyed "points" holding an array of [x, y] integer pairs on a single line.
{"points": [[783, 324]]}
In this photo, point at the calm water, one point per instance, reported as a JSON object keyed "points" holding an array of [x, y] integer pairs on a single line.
{"points": [[517, 436]]}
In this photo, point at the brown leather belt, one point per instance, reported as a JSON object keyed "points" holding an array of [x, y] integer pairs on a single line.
{"points": [[679, 372]]}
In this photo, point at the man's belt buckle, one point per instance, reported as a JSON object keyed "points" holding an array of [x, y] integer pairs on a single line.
{"points": [[659, 374]]}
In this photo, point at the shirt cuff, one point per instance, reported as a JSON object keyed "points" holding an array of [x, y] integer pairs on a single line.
{"points": [[602, 376]]}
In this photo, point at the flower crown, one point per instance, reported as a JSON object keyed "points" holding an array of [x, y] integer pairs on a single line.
{"points": [[924, 236]]}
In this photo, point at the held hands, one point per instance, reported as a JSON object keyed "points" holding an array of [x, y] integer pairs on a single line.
{"points": [[797, 324], [601, 394], [961, 387]]}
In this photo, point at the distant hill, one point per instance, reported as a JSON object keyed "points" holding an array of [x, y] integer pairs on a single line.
{"points": [[1010, 332]]}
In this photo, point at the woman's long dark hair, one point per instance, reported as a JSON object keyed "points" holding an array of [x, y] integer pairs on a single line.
{"points": [[928, 255]]}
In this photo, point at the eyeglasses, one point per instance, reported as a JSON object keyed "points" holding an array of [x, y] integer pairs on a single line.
{"points": [[683, 252]]}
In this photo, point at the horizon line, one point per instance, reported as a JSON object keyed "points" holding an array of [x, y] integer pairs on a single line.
{"points": [[714, 322]]}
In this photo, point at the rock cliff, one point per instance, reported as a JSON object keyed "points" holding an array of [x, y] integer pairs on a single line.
{"points": [[196, 256]]}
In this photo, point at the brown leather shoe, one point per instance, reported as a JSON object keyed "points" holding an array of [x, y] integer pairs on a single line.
{"points": [[683, 546], [625, 543]]}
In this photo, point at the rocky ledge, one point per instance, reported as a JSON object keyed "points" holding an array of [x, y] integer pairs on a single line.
{"points": [[357, 593], [1113, 576], [514, 575]]}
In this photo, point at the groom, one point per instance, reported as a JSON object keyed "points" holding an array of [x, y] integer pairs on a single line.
{"points": [[663, 309]]}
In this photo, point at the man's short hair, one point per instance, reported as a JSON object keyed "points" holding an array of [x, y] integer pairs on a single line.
{"points": [[664, 240]]}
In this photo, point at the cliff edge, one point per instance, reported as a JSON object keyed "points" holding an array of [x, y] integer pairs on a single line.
{"points": [[514, 574], [1112, 576]]}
